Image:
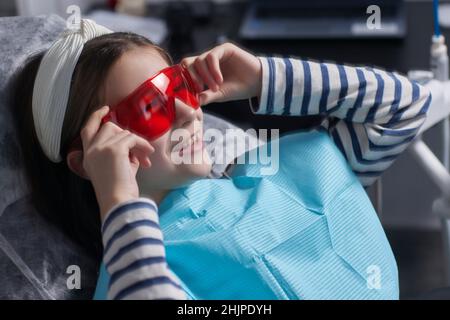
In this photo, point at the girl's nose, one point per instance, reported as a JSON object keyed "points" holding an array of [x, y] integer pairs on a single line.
{"points": [[184, 114]]}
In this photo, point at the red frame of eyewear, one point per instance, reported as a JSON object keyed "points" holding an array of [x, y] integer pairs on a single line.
{"points": [[149, 111]]}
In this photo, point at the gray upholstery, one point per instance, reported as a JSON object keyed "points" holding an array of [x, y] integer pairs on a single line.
{"points": [[19, 37], [34, 256], [33, 267]]}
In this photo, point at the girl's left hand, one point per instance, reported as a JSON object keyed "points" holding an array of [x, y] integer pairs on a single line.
{"points": [[229, 72]]}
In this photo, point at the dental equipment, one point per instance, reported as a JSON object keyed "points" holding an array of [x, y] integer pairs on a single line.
{"points": [[439, 112]]}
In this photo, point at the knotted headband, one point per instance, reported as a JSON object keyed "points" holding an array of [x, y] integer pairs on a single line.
{"points": [[53, 81]]}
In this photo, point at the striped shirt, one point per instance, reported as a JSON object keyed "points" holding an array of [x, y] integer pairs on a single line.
{"points": [[370, 114], [134, 254]]}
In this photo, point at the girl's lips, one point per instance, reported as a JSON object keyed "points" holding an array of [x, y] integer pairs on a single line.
{"points": [[186, 141], [196, 146]]}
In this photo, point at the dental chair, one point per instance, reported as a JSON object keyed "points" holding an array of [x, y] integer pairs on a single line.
{"points": [[33, 267], [36, 259]]}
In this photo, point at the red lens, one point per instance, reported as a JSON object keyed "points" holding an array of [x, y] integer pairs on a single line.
{"points": [[177, 82], [146, 112], [150, 110]]}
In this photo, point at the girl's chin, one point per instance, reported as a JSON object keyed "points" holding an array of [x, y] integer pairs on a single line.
{"points": [[197, 171]]}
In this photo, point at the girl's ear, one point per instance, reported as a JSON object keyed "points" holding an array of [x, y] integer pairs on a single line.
{"points": [[75, 163]]}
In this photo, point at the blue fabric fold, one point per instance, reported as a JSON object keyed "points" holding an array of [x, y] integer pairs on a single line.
{"points": [[307, 232]]}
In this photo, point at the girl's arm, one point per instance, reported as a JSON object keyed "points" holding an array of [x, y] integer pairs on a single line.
{"points": [[134, 253], [372, 114]]}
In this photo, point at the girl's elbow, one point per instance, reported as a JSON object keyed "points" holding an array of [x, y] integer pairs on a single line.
{"points": [[424, 99]]}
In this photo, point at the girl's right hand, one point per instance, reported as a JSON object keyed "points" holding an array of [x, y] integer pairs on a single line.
{"points": [[111, 159], [229, 72]]}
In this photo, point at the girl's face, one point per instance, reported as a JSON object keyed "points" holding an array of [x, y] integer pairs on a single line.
{"points": [[131, 70]]}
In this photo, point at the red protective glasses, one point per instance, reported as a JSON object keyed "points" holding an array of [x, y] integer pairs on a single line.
{"points": [[149, 111]]}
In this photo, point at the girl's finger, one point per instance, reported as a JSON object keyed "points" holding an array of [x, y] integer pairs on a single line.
{"points": [[92, 126], [117, 137], [209, 96], [200, 85], [106, 132], [202, 69], [138, 146], [213, 60], [121, 135], [134, 160], [188, 63]]}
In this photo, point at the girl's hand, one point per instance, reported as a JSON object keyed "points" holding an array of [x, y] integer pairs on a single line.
{"points": [[111, 159], [229, 72]]}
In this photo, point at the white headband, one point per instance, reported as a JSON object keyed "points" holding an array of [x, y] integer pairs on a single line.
{"points": [[52, 84]]}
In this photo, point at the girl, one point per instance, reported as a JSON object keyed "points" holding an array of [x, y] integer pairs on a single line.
{"points": [[372, 115]]}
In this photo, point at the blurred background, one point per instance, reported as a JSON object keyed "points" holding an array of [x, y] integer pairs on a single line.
{"points": [[326, 30]]}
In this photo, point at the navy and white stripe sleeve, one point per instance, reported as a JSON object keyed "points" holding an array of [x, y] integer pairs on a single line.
{"points": [[134, 254], [371, 114]]}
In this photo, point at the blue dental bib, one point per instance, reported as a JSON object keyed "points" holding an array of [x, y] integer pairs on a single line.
{"points": [[307, 232]]}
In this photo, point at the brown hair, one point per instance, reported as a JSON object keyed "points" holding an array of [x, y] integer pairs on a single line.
{"points": [[61, 196]]}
